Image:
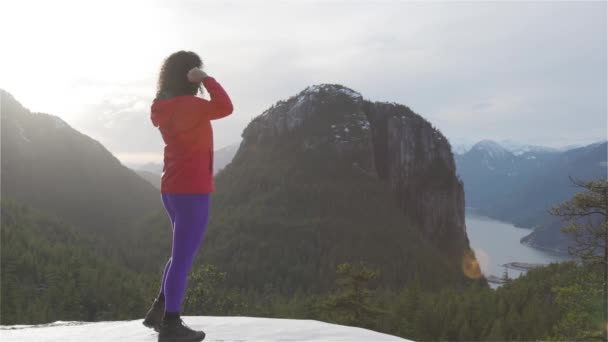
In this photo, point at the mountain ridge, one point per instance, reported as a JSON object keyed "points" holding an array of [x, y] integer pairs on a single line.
{"points": [[519, 188], [372, 134], [55, 168]]}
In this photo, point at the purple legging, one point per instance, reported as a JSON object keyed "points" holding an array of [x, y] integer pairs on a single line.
{"points": [[189, 215]]}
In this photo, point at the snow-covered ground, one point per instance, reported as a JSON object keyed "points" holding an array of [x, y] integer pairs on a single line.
{"points": [[217, 329]]}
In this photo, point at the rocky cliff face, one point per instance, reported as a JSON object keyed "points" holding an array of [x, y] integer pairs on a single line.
{"points": [[384, 140], [416, 160]]}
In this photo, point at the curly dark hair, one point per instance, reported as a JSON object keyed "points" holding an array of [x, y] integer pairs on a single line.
{"points": [[173, 79]]}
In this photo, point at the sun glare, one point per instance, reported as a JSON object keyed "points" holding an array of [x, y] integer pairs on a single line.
{"points": [[67, 48], [470, 266]]}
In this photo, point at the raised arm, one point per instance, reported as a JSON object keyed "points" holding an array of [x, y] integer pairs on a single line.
{"points": [[220, 105]]}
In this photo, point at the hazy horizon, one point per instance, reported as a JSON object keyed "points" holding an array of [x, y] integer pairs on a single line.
{"points": [[533, 73]]}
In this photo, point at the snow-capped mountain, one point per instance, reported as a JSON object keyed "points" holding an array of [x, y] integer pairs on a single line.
{"points": [[570, 147], [328, 153], [462, 146], [489, 169], [518, 148], [519, 188], [224, 329], [493, 156], [491, 149], [487, 158]]}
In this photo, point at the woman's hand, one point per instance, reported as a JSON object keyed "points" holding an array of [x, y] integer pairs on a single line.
{"points": [[196, 75]]}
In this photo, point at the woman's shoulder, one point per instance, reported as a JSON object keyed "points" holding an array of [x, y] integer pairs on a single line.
{"points": [[164, 95]]}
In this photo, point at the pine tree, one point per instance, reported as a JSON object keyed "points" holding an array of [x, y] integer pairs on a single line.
{"points": [[591, 236], [351, 304], [207, 295], [505, 275]]}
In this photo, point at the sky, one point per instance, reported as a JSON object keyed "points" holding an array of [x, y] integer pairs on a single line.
{"points": [[530, 72]]}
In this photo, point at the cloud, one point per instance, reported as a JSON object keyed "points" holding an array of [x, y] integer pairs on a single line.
{"points": [[479, 69]]}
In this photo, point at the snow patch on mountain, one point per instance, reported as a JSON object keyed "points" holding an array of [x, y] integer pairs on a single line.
{"points": [[533, 148], [286, 115], [519, 148], [218, 328], [317, 88], [570, 147], [354, 128], [491, 148], [364, 124]]}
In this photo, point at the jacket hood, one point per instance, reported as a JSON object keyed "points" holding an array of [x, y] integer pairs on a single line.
{"points": [[162, 109]]}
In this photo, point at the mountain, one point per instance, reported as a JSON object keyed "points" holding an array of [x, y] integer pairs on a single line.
{"points": [[584, 163], [545, 183], [462, 146], [54, 168], [489, 170], [547, 236], [223, 157], [482, 164], [327, 177], [154, 168], [518, 148], [570, 147], [151, 177], [519, 188], [219, 328], [460, 149]]}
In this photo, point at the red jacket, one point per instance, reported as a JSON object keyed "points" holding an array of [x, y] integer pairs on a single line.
{"points": [[185, 125]]}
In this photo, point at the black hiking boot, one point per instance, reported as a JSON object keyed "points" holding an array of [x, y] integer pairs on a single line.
{"points": [[174, 330], [154, 317]]}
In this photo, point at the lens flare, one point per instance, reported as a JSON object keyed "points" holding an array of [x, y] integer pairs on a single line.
{"points": [[470, 266], [483, 258]]}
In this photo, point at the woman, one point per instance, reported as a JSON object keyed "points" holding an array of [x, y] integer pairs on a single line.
{"points": [[187, 181]]}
